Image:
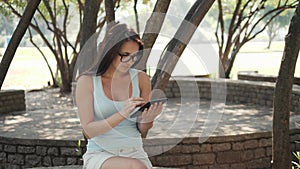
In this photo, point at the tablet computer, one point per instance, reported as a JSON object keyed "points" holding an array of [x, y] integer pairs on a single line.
{"points": [[147, 105]]}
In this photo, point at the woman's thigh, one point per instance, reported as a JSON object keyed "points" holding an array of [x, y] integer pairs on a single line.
{"points": [[118, 162]]}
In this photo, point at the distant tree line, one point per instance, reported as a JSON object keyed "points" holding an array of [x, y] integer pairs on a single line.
{"points": [[61, 26]]}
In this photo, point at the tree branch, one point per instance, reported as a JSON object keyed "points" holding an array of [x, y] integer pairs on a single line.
{"points": [[16, 38], [222, 29], [65, 32], [56, 36], [37, 29], [177, 45], [136, 17], [44, 57]]}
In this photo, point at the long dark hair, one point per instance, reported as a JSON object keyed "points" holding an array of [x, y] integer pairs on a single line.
{"points": [[111, 44]]}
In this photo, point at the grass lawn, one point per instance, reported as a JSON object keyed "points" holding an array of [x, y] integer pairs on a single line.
{"points": [[29, 71], [260, 47], [255, 56]]}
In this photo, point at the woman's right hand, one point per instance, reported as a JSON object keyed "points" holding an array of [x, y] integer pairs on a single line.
{"points": [[130, 105]]}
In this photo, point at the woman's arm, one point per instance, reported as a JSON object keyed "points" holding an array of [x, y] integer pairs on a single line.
{"points": [[145, 121], [85, 104]]}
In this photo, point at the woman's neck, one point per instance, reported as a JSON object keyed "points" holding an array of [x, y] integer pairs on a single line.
{"points": [[114, 73]]}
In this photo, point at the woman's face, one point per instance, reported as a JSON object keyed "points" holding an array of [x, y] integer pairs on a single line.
{"points": [[126, 56]]}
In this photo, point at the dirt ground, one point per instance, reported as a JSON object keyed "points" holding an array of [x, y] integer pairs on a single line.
{"points": [[47, 98]]}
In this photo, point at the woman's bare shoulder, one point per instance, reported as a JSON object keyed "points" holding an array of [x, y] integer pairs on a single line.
{"points": [[85, 81], [143, 76], [144, 81]]}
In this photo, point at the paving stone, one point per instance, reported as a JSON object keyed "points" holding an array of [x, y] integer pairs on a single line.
{"points": [[55, 117]]}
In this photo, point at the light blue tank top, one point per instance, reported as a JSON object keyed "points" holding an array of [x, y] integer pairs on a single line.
{"points": [[124, 134]]}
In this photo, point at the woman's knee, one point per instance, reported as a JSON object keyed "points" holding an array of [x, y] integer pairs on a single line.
{"points": [[124, 163], [137, 164]]}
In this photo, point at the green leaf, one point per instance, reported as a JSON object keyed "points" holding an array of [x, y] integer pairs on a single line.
{"points": [[79, 143], [145, 1], [297, 155]]}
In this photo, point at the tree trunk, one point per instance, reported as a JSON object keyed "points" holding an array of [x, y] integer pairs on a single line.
{"points": [[62, 58], [89, 22], [231, 62], [177, 45], [270, 35], [152, 30], [66, 80], [282, 99], [269, 43], [110, 13], [272, 32], [229, 65], [89, 26], [17, 37]]}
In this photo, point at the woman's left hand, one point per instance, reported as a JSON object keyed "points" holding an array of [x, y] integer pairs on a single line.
{"points": [[150, 114]]}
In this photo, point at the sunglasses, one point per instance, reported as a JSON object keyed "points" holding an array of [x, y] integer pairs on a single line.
{"points": [[126, 57]]}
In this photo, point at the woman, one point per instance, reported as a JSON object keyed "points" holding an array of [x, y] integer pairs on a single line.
{"points": [[106, 100]]}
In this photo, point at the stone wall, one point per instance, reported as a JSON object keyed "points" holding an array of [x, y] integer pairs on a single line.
{"points": [[248, 151], [25, 153], [12, 100], [236, 91]]}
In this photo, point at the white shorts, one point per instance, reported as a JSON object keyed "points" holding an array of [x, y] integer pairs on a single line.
{"points": [[94, 159]]}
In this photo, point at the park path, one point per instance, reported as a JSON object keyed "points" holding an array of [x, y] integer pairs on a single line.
{"points": [[52, 116]]}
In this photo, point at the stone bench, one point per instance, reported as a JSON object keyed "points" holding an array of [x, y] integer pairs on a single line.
{"points": [[80, 167]]}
